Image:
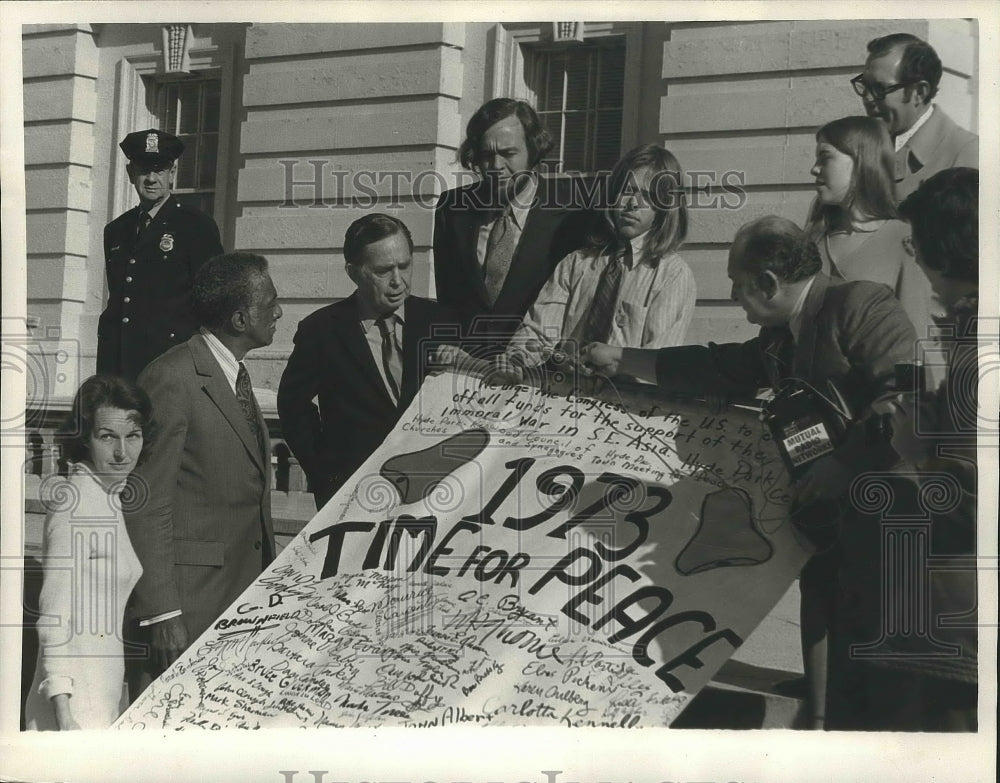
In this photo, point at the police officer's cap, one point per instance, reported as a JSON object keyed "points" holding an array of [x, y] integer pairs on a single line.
{"points": [[152, 146]]}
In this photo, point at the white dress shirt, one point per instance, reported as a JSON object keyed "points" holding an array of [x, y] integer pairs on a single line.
{"points": [[226, 359], [795, 319], [655, 303], [519, 207], [373, 336], [900, 141]]}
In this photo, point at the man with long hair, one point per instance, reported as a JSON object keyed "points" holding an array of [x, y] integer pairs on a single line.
{"points": [[496, 241]]}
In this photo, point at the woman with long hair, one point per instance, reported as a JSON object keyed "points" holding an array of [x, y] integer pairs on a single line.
{"points": [[882, 676], [854, 220], [856, 227], [89, 566], [628, 287]]}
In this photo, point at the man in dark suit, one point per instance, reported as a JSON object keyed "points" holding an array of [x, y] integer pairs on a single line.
{"points": [[202, 519], [363, 357], [812, 329], [898, 86], [151, 254], [498, 240]]}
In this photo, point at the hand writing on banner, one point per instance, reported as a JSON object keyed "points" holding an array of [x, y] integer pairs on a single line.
{"points": [[445, 356], [611, 360], [451, 356]]}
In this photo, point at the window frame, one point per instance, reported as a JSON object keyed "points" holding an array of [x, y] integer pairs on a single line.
{"points": [[537, 59], [511, 42], [134, 72], [155, 86]]}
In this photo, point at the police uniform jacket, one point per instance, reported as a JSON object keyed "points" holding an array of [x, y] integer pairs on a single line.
{"points": [[149, 284]]}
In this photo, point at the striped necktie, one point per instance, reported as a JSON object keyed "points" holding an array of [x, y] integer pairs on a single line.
{"points": [[391, 362], [500, 247], [600, 316]]}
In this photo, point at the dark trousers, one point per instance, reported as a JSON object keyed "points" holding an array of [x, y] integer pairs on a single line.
{"points": [[863, 696]]}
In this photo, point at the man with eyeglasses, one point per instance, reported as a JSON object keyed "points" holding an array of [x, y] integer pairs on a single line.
{"points": [[899, 82]]}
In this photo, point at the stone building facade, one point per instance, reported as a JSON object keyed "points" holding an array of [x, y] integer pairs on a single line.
{"points": [[294, 130]]}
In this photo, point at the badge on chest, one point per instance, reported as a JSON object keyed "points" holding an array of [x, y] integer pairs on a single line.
{"points": [[166, 243]]}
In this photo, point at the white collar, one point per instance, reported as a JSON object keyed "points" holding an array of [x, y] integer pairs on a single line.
{"points": [[638, 243], [152, 212], [395, 317], [795, 319], [902, 138], [523, 200], [225, 358]]}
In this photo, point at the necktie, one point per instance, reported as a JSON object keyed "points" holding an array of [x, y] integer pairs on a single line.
{"points": [[600, 317], [244, 396], [499, 253], [144, 221], [391, 362]]}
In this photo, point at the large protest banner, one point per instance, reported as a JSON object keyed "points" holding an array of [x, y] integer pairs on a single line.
{"points": [[507, 557]]}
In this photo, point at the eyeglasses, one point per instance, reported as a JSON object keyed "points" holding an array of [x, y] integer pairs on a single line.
{"points": [[875, 91]]}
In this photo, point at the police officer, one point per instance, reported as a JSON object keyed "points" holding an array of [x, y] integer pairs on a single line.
{"points": [[151, 254]]}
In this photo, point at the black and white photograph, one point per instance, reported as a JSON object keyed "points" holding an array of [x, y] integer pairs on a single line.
{"points": [[496, 397]]}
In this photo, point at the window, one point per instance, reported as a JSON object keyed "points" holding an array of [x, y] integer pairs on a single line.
{"points": [[189, 107], [579, 94]]}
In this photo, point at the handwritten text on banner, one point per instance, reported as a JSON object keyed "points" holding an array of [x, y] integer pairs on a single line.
{"points": [[507, 557]]}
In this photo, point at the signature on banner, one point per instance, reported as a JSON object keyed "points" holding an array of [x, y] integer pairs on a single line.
{"points": [[507, 557]]}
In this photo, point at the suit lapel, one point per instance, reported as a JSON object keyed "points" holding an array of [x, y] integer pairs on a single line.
{"points": [[467, 225], [924, 143], [126, 232], [217, 388], [415, 327], [530, 266], [523, 263], [922, 146]]}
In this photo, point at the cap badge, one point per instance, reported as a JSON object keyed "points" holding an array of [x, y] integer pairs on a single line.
{"points": [[167, 243], [152, 143]]}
